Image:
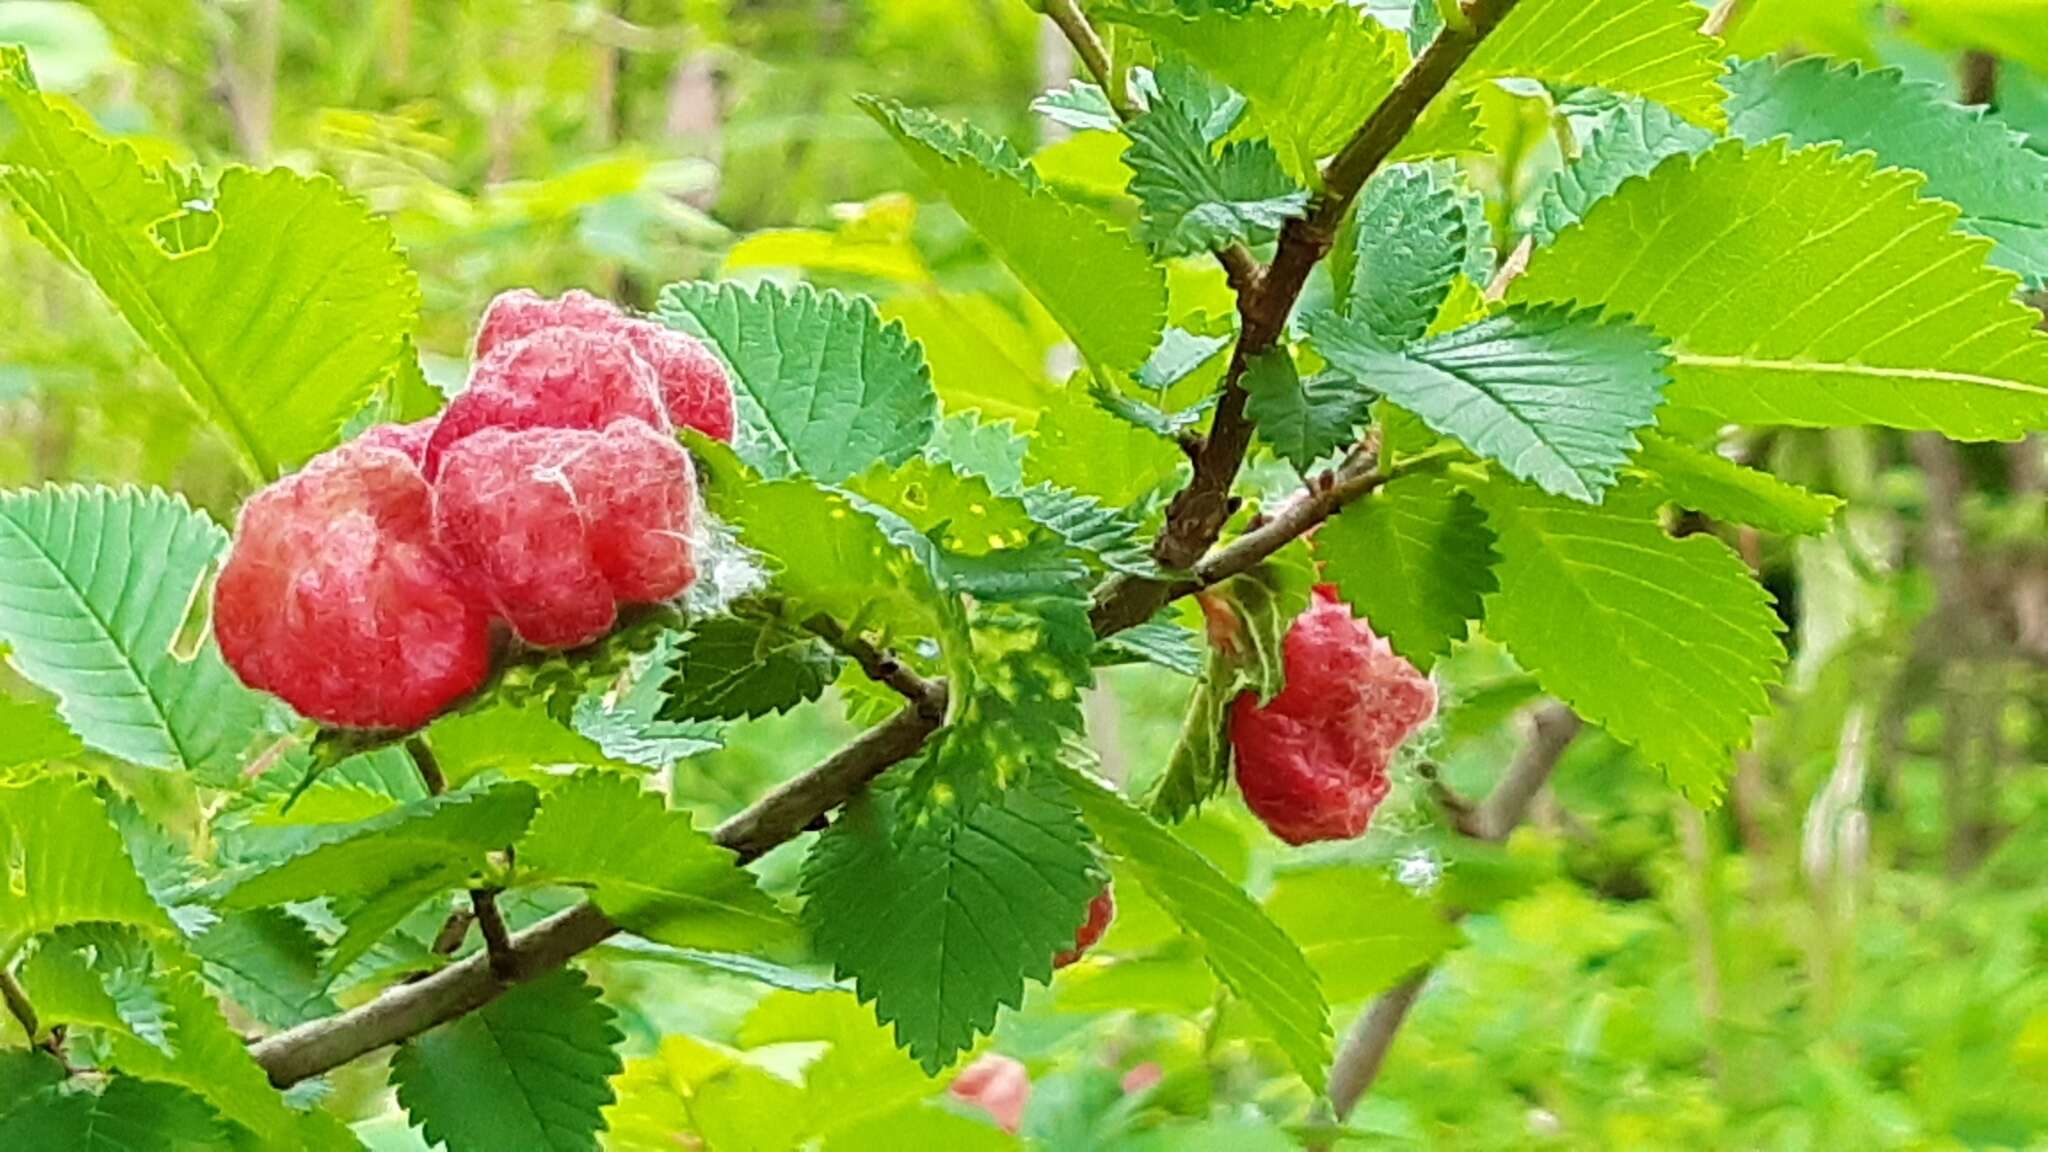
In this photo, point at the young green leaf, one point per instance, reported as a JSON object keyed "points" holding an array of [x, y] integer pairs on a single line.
{"points": [[1554, 395], [1097, 282], [1415, 559], [1315, 75], [394, 862], [1648, 48], [1192, 197], [740, 667], [278, 302], [646, 866], [827, 556], [67, 864], [36, 733], [1816, 309], [1667, 643], [823, 386], [1630, 139], [1159, 641], [991, 450], [268, 962], [1302, 420], [1199, 765], [1413, 231], [940, 921], [1247, 951], [627, 725], [528, 1070], [1077, 445], [94, 585], [1971, 158], [1709, 482]]}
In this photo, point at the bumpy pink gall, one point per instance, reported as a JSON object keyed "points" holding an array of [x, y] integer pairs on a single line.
{"points": [[410, 439], [694, 388], [1312, 763], [552, 528], [555, 378], [1101, 911], [334, 599]]}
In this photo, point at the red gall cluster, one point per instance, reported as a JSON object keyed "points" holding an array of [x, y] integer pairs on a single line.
{"points": [[1312, 763], [363, 589]]}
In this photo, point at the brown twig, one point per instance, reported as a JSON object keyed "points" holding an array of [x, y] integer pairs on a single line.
{"points": [[501, 956], [882, 666]]}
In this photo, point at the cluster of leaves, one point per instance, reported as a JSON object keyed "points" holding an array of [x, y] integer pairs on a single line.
{"points": [[1756, 246]]}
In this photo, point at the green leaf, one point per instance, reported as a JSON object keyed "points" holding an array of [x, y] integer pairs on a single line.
{"points": [[994, 452], [1667, 643], [66, 863], [983, 357], [940, 922], [268, 962], [1709, 482], [646, 866], [827, 555], [1199, 765], [1030, 660], [823, 386], [1315, 76], [528, 1070], [94, 588], [695, 1094], [277, 302], [1157, 641], [1302, 420], [126, 1116], [1971, 158], [1096, 281], [1247, 951], [35, 733], [1193, 198], [1081, 106], [394, 862], [626, 724], [1648, 48], [1105, 536], [1629, 140], [1554, 395], [1415, 559], [212, 1060], [1816, 312], [737, 667], [1360, 929], [1411, 234], [1077, 445]]}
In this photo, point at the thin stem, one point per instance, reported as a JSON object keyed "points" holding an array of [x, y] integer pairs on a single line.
{"points": [[1724, 17], [503, 957], [428, 764], [1094, 54], [881, 666], [18, 1005]]}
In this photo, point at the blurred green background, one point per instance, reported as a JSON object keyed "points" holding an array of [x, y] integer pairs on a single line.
{"points": [[1845, 954]]}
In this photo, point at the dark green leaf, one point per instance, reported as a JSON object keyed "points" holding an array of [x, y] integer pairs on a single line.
{"points": [[940, 922], [1192, 197], [740, 667], [1553, 395], [823, 386], [1302, 420], [529, 1070], [1414, 230], [1415, 559], [268, 962]]}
